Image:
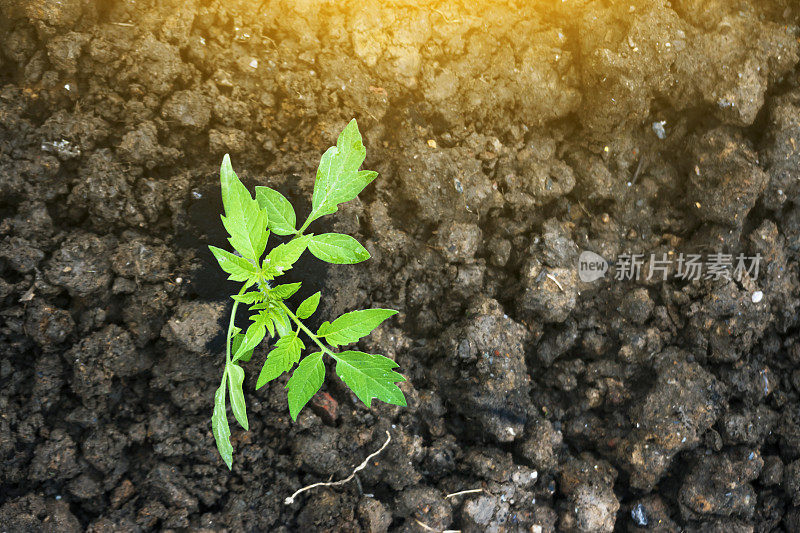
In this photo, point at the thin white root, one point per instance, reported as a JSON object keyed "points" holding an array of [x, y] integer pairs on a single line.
{"points": [[426, 527], [290, 499], [554, 280], [471, 491]]}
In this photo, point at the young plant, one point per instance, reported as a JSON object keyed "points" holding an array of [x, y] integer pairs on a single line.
{"points": [[248, 222]]}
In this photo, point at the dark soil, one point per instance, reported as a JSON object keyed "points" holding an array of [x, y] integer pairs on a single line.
{"points": [[510, 137]]}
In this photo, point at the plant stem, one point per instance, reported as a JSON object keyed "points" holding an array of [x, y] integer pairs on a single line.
{"points": [[307, 331], [230, 333], [303, 227]]}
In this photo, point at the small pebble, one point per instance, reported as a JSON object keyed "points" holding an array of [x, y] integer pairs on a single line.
{"points": [[757, 297], [639, 515], [658, 129]]}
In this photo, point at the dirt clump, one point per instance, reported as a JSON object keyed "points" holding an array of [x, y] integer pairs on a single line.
{"points": [[509, 138], [491, 382]]}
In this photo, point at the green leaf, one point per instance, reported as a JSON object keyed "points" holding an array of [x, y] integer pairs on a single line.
{"points": [[281, 359], [282, 219], [268, 322], [282, 324], [235, 379], [220, 428], [273, 316], [338, 179], [282, 257], [249, 241], [351, 186], [370, 376], [254, 335], [309, 306], [239, 268], [235, 343], [284, 291], [244, 220], [353, 325], [260, 234], [248, 298], [305, 382], [337, 248]]}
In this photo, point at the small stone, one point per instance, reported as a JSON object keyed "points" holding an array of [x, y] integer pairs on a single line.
{"points": [[479, 511], [658, 129], [757, 297], [639, 515], [326, 407]]}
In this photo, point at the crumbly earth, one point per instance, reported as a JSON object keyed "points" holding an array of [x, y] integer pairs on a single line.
{"points": [[510, 137]]}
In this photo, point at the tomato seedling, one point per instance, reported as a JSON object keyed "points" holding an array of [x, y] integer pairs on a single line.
{"points": [[249, 222]]}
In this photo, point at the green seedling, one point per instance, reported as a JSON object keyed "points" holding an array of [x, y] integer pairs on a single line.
{"points": [[249, 222]]}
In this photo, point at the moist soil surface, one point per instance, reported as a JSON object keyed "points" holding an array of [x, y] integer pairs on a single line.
{"points": [[510, 137]]}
